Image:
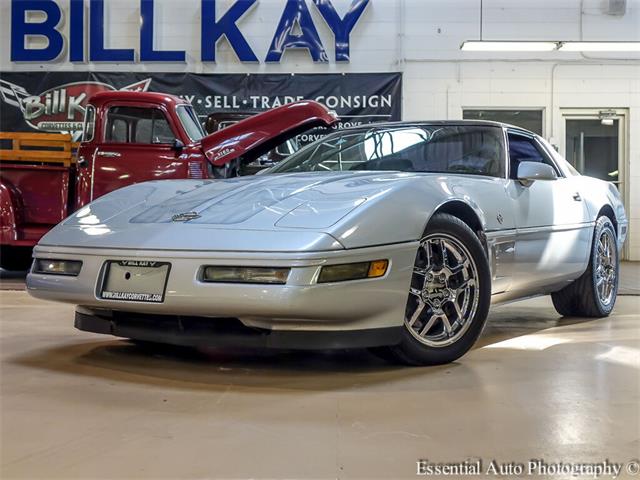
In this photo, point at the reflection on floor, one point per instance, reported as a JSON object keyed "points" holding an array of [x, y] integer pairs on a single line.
{"points": [[78, 405]]}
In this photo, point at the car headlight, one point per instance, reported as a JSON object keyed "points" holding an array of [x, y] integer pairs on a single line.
{"points": [[57, 267], [353, 271], [272, 275]]}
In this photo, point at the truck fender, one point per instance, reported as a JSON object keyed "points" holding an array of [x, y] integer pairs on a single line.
{"points": [[11, 209]]}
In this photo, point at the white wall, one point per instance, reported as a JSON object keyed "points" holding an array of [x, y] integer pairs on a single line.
{"points": [[421, 38]]}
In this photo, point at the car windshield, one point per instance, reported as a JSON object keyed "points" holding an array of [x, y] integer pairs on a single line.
{"points": [[190, 122], [469, 149]]}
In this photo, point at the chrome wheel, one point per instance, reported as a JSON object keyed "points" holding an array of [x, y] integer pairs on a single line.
{"points": [[444, 292], [606, 271]]}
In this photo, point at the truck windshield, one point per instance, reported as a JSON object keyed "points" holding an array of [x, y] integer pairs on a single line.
{"points": [[190, 122], [467, 149]]}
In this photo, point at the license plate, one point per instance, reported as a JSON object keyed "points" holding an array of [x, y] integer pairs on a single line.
{"points": [[135, 280]]}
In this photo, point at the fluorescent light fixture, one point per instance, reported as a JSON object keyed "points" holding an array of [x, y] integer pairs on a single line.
{"points": [[506, 46], [599, 47]]}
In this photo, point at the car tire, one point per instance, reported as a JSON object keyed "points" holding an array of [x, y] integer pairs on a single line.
{"points": [[437, 295], [594, 293], [15, 259]]}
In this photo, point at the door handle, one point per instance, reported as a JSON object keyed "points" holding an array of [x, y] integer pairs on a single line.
{"points": [[109, 154], [577, 197]]}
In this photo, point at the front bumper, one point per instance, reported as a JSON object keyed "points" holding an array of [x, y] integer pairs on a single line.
{"points": [[301, 305]]}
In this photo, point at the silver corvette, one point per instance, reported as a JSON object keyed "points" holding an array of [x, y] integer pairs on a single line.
{"points": [[396, 237]]}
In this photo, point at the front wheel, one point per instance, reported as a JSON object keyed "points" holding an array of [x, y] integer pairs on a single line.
{"points": [[448, 298], [594, 293], [15, 259]]}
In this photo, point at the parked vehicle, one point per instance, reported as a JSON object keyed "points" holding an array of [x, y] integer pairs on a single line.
{"points": [[395, 236], [131, 137]]}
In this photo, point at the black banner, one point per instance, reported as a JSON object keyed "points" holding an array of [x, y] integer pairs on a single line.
{"points": [[55, 101]]}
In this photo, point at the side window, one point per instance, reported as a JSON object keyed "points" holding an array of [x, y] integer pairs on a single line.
{"points": [[89, 123], [119, 131], [161, 130], [137, 125], [525, 149], [466, 150]]}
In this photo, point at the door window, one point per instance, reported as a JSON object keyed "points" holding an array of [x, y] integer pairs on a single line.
{"points": [[523, 148], [138, 125]]}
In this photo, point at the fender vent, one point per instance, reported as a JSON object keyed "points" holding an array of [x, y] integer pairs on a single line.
{"points": [[195, 170]]}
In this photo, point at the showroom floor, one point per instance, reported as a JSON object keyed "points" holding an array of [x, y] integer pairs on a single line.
{"points": [[78, 405]]}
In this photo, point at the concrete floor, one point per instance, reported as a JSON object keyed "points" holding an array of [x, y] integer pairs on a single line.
{"points": [[79, 405]]}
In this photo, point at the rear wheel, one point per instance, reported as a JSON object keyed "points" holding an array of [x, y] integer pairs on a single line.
{"points": [[594, 293], [449, 296]]}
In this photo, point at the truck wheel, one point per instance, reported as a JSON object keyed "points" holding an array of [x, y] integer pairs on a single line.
{"points": [[16, 259], [449, 296], [594, 293]]}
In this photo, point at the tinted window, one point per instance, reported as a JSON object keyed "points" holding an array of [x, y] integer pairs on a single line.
{"points": [[525, 149], [424, 148], [137, 125]]}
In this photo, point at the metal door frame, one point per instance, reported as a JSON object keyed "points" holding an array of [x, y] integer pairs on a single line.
{"points": [[620, 114]]}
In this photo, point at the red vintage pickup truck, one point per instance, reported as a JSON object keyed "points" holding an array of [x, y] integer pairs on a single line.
{"points": [[132, 137]]}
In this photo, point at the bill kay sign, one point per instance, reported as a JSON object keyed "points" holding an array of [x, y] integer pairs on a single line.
{"points": [[295, 29]]}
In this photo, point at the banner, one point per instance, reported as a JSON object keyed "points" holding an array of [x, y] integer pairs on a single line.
{"points": [[55, 101]]}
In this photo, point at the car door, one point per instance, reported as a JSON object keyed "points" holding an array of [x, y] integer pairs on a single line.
{"points": [[137, 145], [552, 224]]}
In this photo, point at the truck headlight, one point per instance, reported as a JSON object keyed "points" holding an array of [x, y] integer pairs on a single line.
{"points": [[272, 275], [353, 271], [57, 267]]}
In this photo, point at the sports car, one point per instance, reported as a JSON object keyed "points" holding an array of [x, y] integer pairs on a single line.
{"points": [[397, 237]]}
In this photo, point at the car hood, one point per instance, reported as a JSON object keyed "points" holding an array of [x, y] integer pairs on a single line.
{"points": [[260, 133], [245, 213]]}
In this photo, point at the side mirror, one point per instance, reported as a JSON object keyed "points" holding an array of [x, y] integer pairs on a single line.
{"points": [[177, 145], [528, 172]]}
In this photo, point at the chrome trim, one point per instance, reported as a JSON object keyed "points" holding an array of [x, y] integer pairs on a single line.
{"points": [[541, 229], [93, 171]]}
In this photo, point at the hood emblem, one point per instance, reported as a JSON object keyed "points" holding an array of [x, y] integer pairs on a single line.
{"points": [[185, 217]]}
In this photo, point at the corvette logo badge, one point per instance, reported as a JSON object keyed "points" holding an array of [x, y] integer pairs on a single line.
{"points": [[59, 109], [185, 217]]}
